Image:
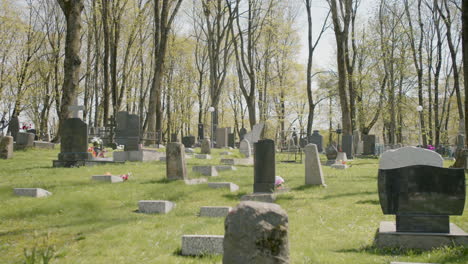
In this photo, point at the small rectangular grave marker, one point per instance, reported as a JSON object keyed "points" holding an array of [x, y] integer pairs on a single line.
{"points": [[107, 178], [214, 211], [225, 168], [205, 170], [196, 245], [203, 156], [32, 192], [227, 185], [155, 206]]}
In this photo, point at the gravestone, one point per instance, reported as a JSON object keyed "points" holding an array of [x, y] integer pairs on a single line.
{"points": [[206, 146], [127, 131], [74, 144], [222, 137], [347, 145], [242, 133], [356, 141], [14, 127], [369, 144], [206, 170], [224, 185], [188, 141], [256, 233], [341, 156], [214, 211], [174, 137], [422, 194], [199, 245], [317, 139], [245, 148], [256, 133], [107, 178], [460, 142], [331, 152], [201, 132], [6, 147], [24, 140], [175, 162], [264, 166], [155, 206], [31, 192], [313, 168], [231, 140]]}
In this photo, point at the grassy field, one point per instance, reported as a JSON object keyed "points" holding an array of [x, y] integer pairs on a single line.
{"points": [[88, 222]]}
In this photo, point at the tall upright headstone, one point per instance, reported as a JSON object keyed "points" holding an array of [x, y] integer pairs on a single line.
{"points": [[175, 161], [313, 168], [14, 127], [201, 132], [347, 145], [206, 146], [317, 139], [6, 147], [369, 144], [245, 148], [356, 141], [256, 233], [231, 140], [74, 144], [242, 133], [264, 166], [127, 130], [222, 137]]}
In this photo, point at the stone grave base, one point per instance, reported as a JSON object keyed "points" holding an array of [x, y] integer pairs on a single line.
{"points": [[205, 170], [340, 166], [44, 145], [144, 155], [82, 163], [330, 162], [214, 211], [203, 156], [197, 245], [260, 197], [155, 206], [224, 185], [31, 192], [107, 178], [195, 181], [388, 237], [225, 168], [234, 162]]}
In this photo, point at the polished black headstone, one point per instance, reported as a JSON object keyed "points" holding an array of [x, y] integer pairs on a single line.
{"points": [[317, 139], [201, 132], [347, 145], [188, 141], [231, 140], [369, 144], [242, 133], [422, 197], [264, 166], [127, 130]]}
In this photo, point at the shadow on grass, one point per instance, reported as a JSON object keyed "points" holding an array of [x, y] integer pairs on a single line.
{"points": [[307, 187], [347, 195], [234, 196], [160, 181], [373, 202]]}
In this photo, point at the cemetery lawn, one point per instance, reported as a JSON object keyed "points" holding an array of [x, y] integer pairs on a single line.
{"points": [[89, 222]]}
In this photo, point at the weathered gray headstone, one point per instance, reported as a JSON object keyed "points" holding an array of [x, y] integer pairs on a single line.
{"points": [[25, 140], [175, 162], [107, 178], [127, 131], [356, 140], [75, 110], [205, 170], [317, 139], [347, 145], [224, 185], [32, 192], [231, 140], [222, 137], [245, 162], [225, 168], [203, 156], [342, 156], [369, 144], [6, 147], [245, 148], [155, 206], [242, 133], [256, 133], [331, 152], [197, 245], [264, 166], [256, 233], [214, 211], [313, 168], [206, 146]]}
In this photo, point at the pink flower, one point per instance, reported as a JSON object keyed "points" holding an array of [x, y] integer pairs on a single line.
{"points": [[278, 180]]}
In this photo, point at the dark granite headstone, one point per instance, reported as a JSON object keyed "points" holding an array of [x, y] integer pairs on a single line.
{"points": [[13, 127], [264, 166], [242, 133], [317, 139], [174, 137], [422, 197], [369, 144], [33, 131], [73, 144], [201, 132], [347, 145], [127, 131], [231, 140], [188, 141]]}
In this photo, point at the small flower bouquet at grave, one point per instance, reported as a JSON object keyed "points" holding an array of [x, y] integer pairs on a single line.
{"points": [[279, 181], [96, 141]]}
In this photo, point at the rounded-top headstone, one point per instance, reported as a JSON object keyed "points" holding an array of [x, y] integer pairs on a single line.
{"points": [[245, 148], [409, 156], [256, 232], [206, 146]]}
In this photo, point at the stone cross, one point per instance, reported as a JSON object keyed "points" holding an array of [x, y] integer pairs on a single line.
{"points": [[76, 111]]}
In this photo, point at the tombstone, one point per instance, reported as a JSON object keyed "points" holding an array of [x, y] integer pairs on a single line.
{"points": [[356, 140], [175, 162], [414, 186], [214, 211], [460, 141], [317, 139], [174, 137], [369, 144], [206, 146], [313, 168], [341, 156], [201, 132], [155, 206], [245, 148], [188, 141], [200, 245], [127, 131], [264, 166], [256, 133], [347, 145], [231, 140], [74, 144], [13, 127], [222, 137], [6, 147], [75, 110], [24, 140], [31, 192], [242, 133], [256, 233], [331, 152]]}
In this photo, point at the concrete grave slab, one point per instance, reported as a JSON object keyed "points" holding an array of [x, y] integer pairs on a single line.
{"points": [[205, 170], [215, 211], [203, 156], [155, 206], [31, 192], [196, 245], [107, 178], [225, 168], [260, 197], [224, 185]]}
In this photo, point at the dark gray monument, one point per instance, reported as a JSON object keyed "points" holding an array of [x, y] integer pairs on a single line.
{"points": [[231, 140], [242, 133], [188, 141], [317, 139], [347, 145], [14, 127], [201, 132], [127, 131], [74, 144], [174, 137], [264, 166], [331, 152], [369, 144]]}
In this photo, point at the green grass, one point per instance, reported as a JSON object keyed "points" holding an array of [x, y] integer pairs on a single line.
{"points": [[88, 222]]}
